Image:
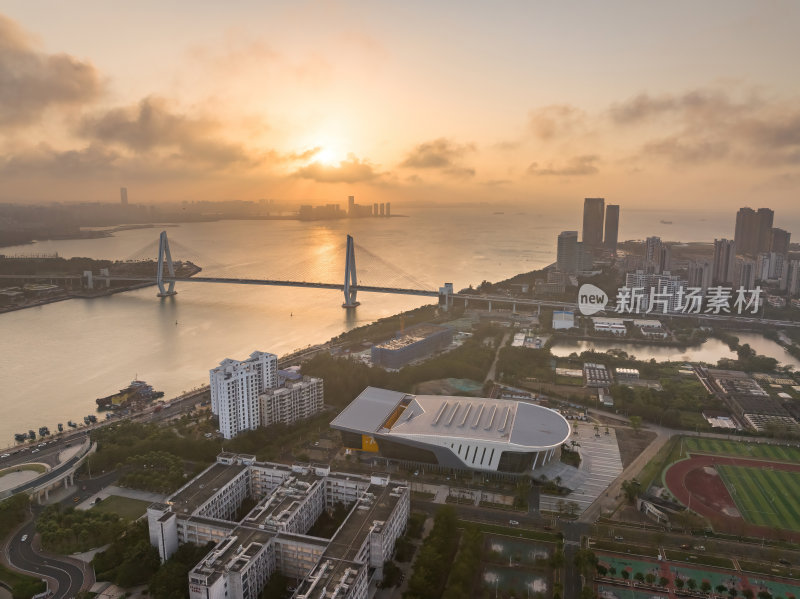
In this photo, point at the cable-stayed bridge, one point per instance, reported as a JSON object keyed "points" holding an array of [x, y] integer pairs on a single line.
{"points": [[166, 278], [388, 279]]}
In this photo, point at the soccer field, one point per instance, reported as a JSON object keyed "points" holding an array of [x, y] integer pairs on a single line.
{"points": [[763, 496], [756, 451]]}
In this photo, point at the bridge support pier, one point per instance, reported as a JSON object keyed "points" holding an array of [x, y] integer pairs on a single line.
{"points": [[164, 255], [350, 280]]}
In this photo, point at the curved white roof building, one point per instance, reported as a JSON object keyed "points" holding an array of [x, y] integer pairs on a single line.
{"points": [[493, 435]]}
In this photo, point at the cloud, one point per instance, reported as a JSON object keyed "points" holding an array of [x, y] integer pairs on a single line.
{"points": [[351, 170], [92, 160], [439, 153], [688, 151], [706, 125], [556, 120], [460, 172], [31, 82], [153, 125], [695, 105], [575, 167]]}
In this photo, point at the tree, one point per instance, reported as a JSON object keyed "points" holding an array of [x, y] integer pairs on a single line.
{"points": [[636, 423], [747, 593], [586, 562], [626, 575], [650, 578], [721, 588], [631, 490], [602, 570], [663, 581], [705, 586], [691, 583], [679, 583], [639, 576]]}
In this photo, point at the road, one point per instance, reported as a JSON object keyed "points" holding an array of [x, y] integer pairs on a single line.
{"points": [[21, 554]]}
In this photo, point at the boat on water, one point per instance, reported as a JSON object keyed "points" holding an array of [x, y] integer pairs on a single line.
{"points": [[666, 222], [136, 392]]}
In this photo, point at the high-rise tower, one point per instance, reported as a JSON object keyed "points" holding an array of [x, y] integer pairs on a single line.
{"points": [[724, 262], [612, 227], [593, 221]]}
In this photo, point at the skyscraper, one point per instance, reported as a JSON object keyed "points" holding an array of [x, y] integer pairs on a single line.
{"points": [[699, 274], [123, 195], [612, 227], [351, 205], [746, 234], [724, 262], [780, 241], [753, 233], [793, 278], [593, 221], [567, 251], [235, 387], [744, 273], [764, 218]]}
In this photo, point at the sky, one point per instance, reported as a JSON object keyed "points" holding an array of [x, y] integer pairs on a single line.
{"points": [[680, 103]]}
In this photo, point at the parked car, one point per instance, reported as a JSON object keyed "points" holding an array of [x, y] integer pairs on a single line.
{"points": [[513, 523], [24, 538]]}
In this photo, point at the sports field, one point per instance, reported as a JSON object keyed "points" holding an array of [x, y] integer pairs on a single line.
{"points": [[755, 451], [764, 496]]}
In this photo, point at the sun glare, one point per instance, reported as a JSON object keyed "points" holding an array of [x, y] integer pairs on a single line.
{"points": [[328, 155]]}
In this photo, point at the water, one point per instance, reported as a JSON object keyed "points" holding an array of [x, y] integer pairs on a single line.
{"points": [[711, 351], [56, 359]]}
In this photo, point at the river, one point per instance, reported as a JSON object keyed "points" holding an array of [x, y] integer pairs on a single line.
{"points": [[56, 359], [710, 351]]}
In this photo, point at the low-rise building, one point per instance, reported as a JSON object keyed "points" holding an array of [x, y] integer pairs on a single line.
{"points": [[609, 325], [272, 537], [596, 375], [563, 319], [410, 345]]}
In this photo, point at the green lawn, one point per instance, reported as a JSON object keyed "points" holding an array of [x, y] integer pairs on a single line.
{"points": [[12, 579], [40, 468], [763, 496], [757, 451], [129, 509]]}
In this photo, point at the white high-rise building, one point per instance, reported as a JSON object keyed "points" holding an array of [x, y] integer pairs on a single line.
{"points": [[235, 387]]}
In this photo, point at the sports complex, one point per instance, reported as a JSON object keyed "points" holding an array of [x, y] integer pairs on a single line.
{"points": [[453, 433], [742, 488]]}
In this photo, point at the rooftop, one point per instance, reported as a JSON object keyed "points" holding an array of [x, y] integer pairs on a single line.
{"points": [[498, 420], [411, 336], [187, 499], [375, 506]]}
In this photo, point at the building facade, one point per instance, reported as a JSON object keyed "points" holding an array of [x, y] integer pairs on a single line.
{"points": [[296, 400]]}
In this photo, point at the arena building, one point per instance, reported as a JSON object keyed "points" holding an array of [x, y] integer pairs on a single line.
{"points": [[273, 535], [453, 433]]}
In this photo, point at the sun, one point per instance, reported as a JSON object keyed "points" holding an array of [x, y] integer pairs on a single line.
{"points": [[328, 155]]}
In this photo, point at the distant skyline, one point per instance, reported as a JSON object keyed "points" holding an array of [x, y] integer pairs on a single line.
{"points": [[690, 105]]}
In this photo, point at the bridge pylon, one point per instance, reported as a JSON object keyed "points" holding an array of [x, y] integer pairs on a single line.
{"points": [[350, 280], [164, 256]]}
